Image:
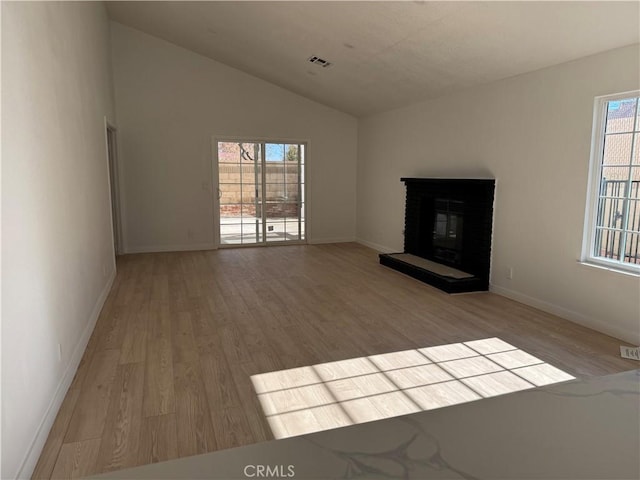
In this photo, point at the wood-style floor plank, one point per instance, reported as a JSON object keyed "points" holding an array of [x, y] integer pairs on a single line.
{"points": [[193, 417], [233, 429], [90, 412], [158, 439], [120, 439], [77, 459], [167, 371], [218, 382], [49, 455], [159, 394], [134, 343]]}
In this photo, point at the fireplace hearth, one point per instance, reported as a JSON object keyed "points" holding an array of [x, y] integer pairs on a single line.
{"points": [[448, 223]]}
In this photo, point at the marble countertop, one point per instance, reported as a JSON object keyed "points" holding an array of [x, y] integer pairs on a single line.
{"points": [[582, 429]]}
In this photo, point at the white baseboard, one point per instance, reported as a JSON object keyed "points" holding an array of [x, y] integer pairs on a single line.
{"points": [[30, 460], [375, 246], [575, 317], [317, 241], [170, 248], [211, 246]]}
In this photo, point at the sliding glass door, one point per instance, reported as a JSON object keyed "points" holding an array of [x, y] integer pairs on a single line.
{"points": [[261, 193]]}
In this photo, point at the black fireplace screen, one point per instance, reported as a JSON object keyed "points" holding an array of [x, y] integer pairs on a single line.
{"points": [[447, 230]]}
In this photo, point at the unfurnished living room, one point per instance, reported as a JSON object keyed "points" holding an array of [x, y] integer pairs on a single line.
{"points": [[393, 239]]}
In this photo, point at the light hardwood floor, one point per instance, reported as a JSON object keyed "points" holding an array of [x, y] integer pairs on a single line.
{"points": [[167, 370]]}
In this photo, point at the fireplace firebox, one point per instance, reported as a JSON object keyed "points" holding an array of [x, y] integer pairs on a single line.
{"points": [[447, 230], [448, 226]]}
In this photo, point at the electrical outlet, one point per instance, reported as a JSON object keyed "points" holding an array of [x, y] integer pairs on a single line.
{"points": [[59, 352], [630, 352], [509, 273]]}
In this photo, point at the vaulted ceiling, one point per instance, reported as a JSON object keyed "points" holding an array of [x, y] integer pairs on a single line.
{"points": [[386, 54]]}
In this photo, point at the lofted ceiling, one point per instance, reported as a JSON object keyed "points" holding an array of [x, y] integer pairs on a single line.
{"points": [[385, 54]]}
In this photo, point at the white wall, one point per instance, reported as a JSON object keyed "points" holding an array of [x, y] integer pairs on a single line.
{"points": [[57, 252], [533, 134], [171, 102]]}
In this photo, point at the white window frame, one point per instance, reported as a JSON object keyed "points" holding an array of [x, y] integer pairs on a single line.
{"points": [[216, 180], [593, 190]]}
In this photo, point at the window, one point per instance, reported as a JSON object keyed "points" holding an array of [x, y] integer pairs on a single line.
{"points": [[612, 231]]}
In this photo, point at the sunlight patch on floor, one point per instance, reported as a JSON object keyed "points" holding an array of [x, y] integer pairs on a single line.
{"points": [[336, 394]]}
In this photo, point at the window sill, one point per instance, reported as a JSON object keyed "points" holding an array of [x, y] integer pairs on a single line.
{"points": [[610, 268]]}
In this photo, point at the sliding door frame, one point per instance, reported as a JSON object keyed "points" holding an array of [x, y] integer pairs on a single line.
{"points": [[216, 186]]}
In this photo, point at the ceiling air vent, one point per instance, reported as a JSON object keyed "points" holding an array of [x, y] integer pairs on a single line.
{"points": [[320, 61]]}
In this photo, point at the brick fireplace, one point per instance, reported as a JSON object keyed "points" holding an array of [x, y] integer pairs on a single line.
{"points": [[448, 223]]}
